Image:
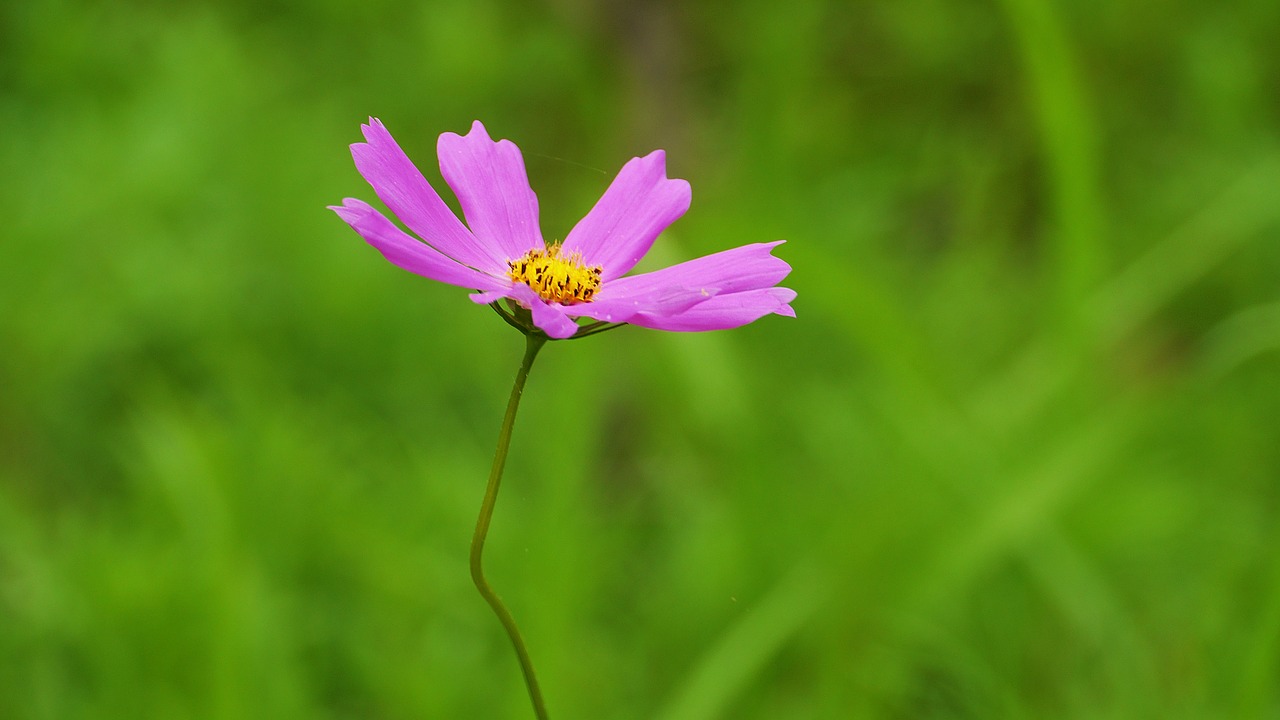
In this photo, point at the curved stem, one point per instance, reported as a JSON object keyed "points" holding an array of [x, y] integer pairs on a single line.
{"points": [[533, 343]]}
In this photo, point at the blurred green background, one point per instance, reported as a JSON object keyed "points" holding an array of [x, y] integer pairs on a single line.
{"points": [[1016, 458]]}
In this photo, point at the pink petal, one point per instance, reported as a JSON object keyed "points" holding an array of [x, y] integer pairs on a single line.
{"points": [[402, 188], [550, 318], [639, 204], [679, 287], [408, 253], [661, 300], [723, 312], [490, 181], [749, 267]]}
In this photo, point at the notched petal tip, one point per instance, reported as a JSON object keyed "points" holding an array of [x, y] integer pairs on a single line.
{"points": [[784, 297], [351, 209], [374, 132], [449, 141]]}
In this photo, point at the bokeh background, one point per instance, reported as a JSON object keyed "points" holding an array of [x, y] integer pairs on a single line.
{"points": [[1016, 458]]}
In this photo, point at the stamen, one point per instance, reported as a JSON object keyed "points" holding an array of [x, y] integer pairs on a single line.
{"points": [[556, 278]]}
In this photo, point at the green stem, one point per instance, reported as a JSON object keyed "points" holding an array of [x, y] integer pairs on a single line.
{"points": [[533, 343]]}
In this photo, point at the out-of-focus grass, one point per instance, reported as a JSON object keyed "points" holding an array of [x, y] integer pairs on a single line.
{"points": [[1016, 457]]}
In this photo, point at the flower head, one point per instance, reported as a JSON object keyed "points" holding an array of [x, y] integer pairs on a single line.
{"points": [[500, 252]]}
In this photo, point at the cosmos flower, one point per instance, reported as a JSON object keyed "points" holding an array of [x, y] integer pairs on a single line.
{"points": [[500, 252]]}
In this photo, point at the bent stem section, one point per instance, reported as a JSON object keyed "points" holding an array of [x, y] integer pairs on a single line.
{"points": [[533, 343]]}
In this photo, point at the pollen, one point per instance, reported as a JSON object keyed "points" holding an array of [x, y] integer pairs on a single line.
{"points": [[557, 278]]}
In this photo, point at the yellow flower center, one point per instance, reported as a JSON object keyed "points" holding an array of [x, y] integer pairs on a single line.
{"points": [[557, 278]]}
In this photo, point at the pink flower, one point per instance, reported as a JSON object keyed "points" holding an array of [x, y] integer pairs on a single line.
{"points": [[501, 254]]}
